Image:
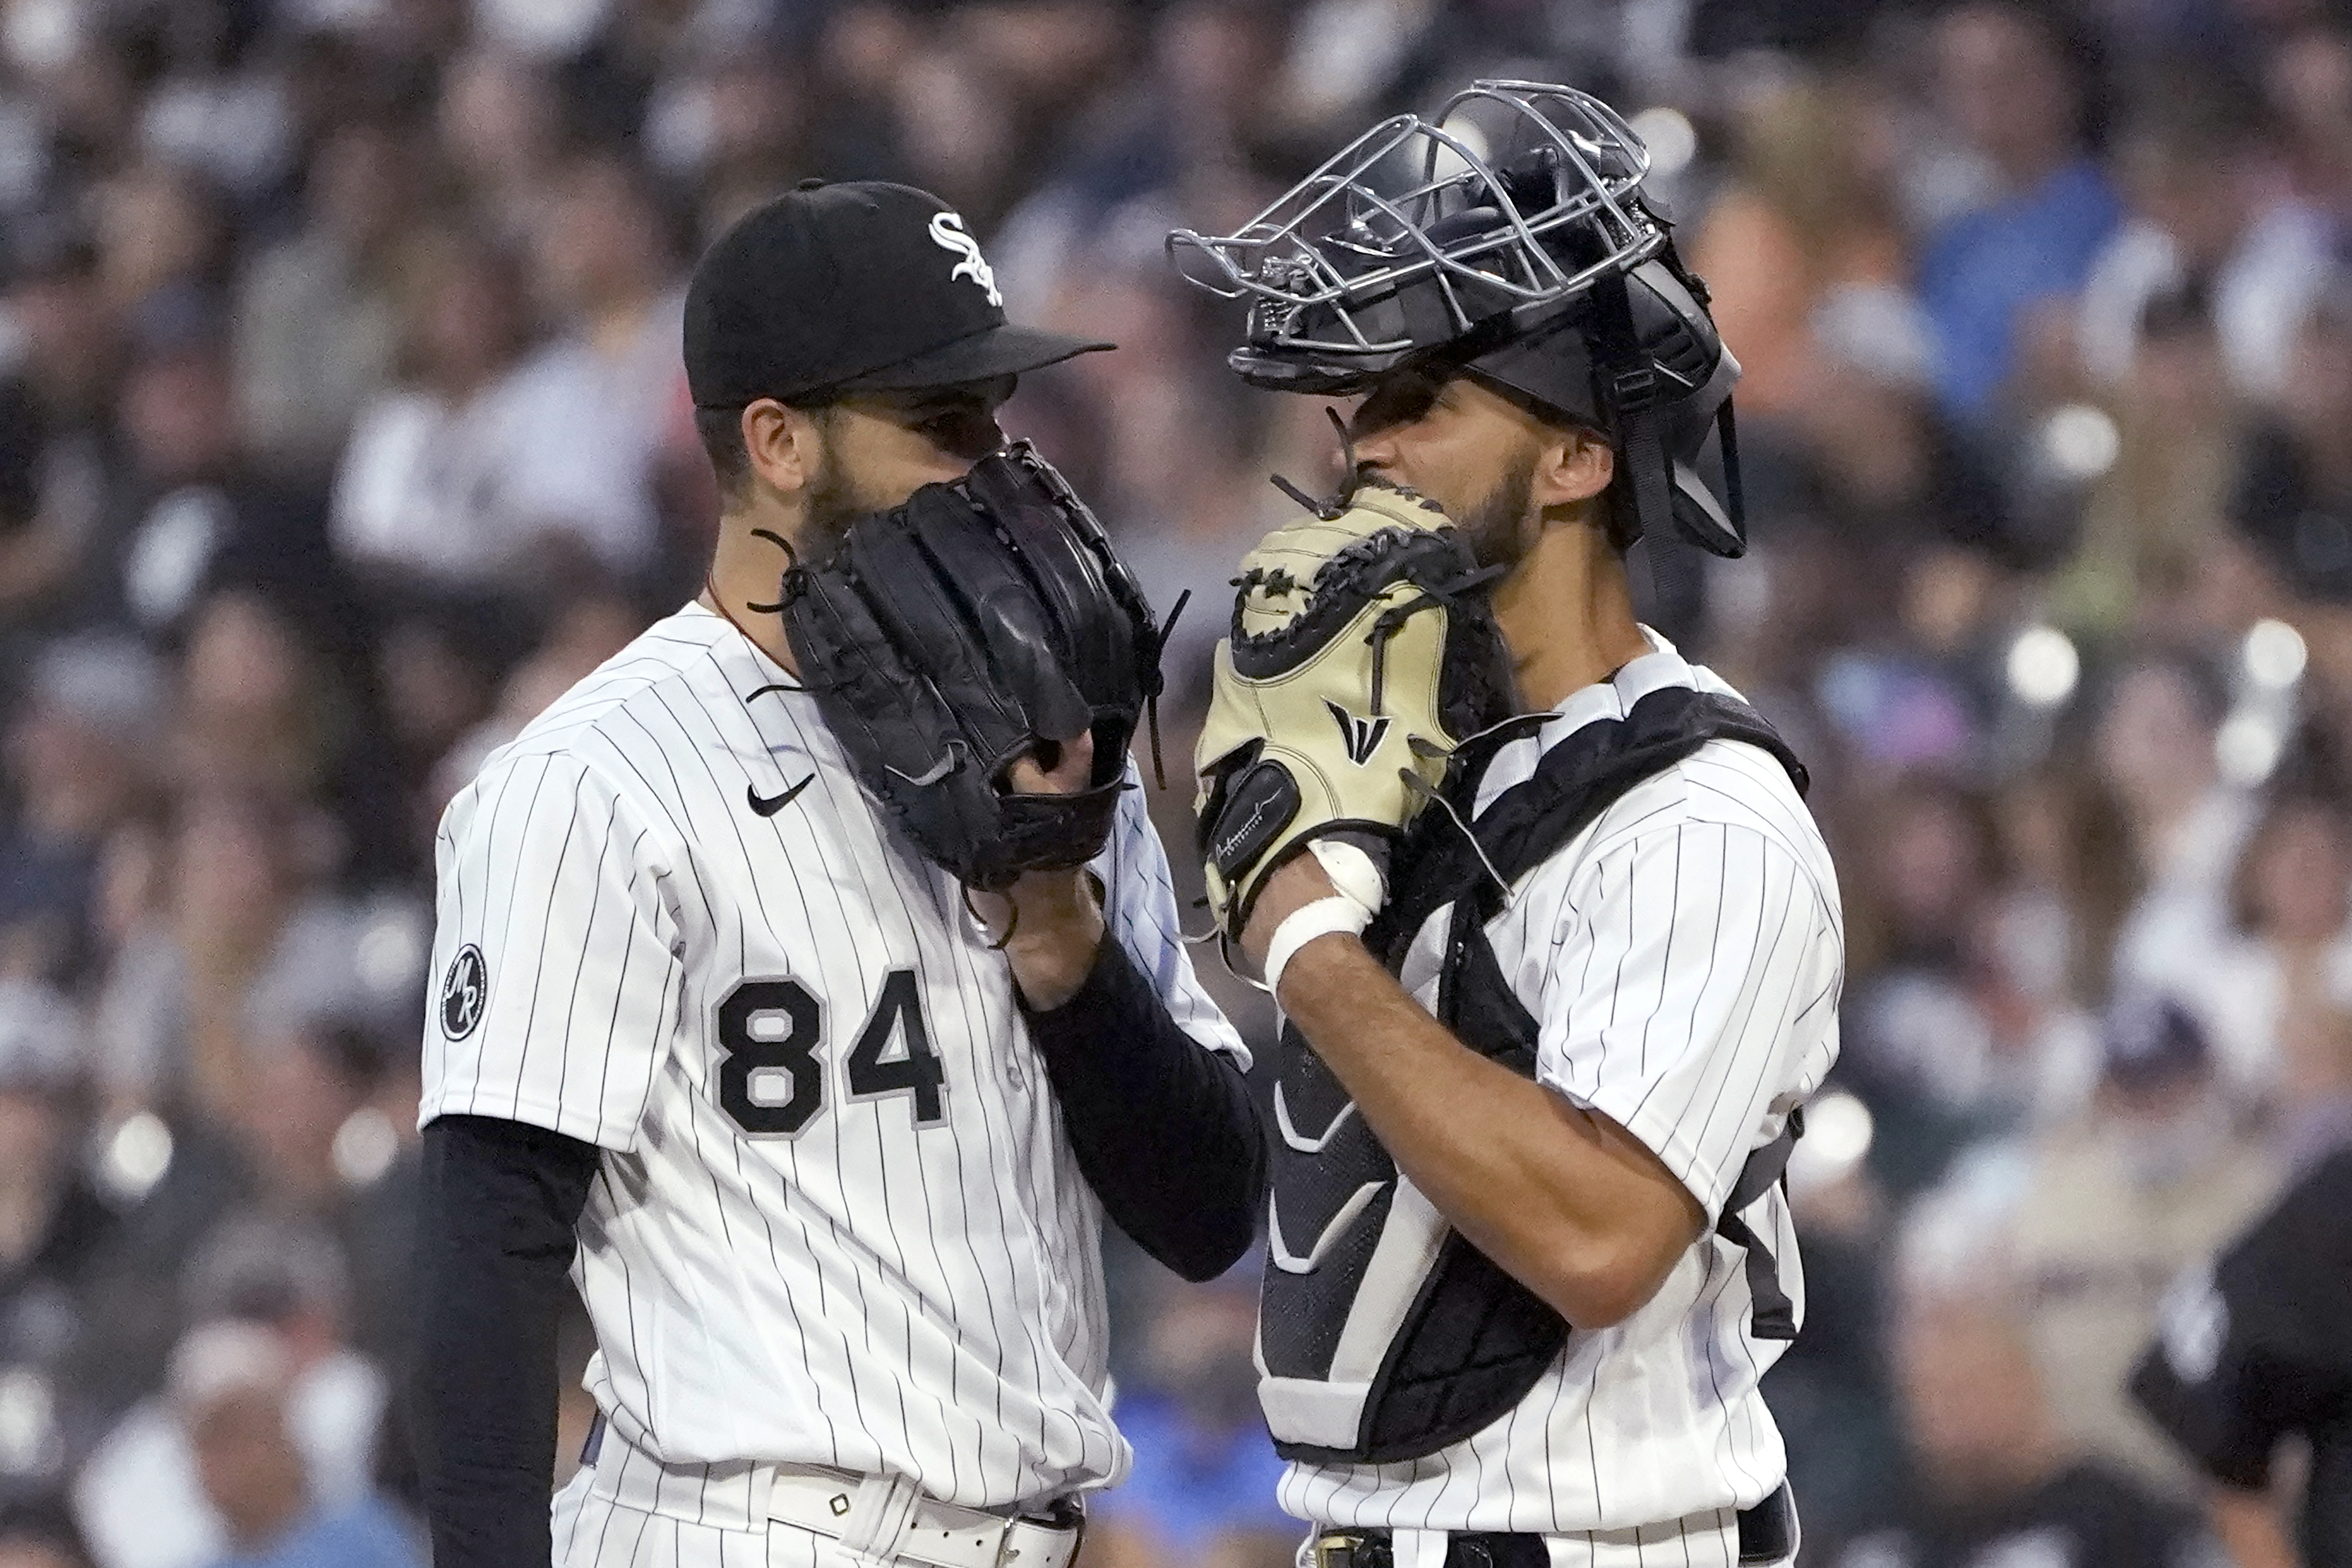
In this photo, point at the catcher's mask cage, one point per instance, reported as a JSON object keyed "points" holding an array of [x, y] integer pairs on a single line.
{"points": [[1507, 237]]}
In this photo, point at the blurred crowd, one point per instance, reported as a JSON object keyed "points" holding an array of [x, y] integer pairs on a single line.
{"points": [[343, 428]]}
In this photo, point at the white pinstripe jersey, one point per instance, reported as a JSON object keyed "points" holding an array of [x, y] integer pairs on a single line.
{"points": [[1683, 956], [837, 1220]]}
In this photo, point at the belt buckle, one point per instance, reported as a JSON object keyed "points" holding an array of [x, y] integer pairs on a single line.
{"points": [[1064, 1515], [1341, 1549]]}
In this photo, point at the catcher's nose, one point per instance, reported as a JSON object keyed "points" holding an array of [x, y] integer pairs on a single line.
{"points": [[1377, 453]]}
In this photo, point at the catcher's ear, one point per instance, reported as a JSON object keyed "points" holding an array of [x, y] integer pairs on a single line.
{"points": [[783, 444], [1576, 465]]}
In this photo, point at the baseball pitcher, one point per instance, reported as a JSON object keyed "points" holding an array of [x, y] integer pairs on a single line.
{"points": [[811, 979]]}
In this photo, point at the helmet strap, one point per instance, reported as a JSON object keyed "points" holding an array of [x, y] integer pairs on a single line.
{"points": [[1631, 385], [1648, 476], [1727, 431]]}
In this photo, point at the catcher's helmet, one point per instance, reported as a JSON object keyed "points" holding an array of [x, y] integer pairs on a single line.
{"points": [[1507, 237]]}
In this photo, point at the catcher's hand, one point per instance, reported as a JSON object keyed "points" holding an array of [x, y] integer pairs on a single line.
{"points": [[1364, 651], [982, 623]]}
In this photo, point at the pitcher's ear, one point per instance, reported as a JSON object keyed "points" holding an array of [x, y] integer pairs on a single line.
{"points": [[785, 443]]}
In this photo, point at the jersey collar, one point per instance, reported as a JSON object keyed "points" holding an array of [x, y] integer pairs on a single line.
{"points": [[1659, 668], [721, 631]]}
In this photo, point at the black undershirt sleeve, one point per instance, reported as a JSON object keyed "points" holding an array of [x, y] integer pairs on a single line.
{"points": [[494, 1242], [1162, 1127]]}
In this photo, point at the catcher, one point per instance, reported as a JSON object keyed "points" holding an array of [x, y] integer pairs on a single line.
{"points": [[809, 982], [1558, 946]]}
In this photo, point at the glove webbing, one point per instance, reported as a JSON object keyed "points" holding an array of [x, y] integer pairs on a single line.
{"points": [[1391, 621]]}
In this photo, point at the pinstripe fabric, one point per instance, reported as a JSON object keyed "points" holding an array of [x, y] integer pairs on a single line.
{"points": [[882, 1288], [596, 1531], [1683, 956]]}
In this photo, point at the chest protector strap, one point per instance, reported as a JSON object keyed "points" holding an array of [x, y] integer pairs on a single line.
{"points": [[1383, 1334]]}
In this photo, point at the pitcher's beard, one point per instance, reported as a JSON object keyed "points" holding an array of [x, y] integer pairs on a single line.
{"points": [[832, 507]]}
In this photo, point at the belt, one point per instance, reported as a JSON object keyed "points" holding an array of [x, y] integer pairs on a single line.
{"points": [[883, 1518], [1768, 1534], [942, 1534]]}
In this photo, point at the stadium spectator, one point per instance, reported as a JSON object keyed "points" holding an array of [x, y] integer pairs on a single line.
{"points": [[323, 1145], [2307, 89], [2066, 886], [592, 405], [234, 1386], [318, 315], [2278, 996], [585, 626], [218, 106], [1918, 1030], [1883, 471], [1993, 1479], [264, 1292], [52, 1225], [2203, 216], [196, 509], [2292, 495], [247, 883], [727, 129], [2158, 1170], [2154, 526], [427, 486], [57, 436], [131, 1205], [2010, 81], [1829, 1394], [162, 230], [1810, 210], [275, 702], [81, 758], [2186, 824], [435, 668], [500, 125]]}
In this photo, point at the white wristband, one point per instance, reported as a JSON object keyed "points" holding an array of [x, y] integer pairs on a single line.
{"points": [[1353, 874], [1325, 916]]}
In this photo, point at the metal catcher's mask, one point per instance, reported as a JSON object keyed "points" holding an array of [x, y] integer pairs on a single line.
{"points": [[1507, 237]]}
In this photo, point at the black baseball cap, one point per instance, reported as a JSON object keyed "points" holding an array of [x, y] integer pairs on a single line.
{"points": [[862, 286]]}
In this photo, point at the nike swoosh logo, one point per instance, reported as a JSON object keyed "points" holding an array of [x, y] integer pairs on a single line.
{"points": [[767, 805], [930, 776]]}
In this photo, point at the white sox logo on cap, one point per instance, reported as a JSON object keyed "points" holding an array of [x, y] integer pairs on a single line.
{"points": [[948, 234]]}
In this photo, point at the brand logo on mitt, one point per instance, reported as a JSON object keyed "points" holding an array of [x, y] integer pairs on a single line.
{"points": [[1230, 845], [948, 234], [1362, 737], [464, 991]]}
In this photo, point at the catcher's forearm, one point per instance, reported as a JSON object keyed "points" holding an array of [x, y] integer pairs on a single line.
{"points": [[1162, 1126], [1566, 1201], [494, 1241]]}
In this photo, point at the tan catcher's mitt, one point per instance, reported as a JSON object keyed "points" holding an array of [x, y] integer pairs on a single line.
{"points": [[1364, 651]]}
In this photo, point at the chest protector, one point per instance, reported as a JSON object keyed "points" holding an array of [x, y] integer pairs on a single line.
{"points": [[1383, 1335]]}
